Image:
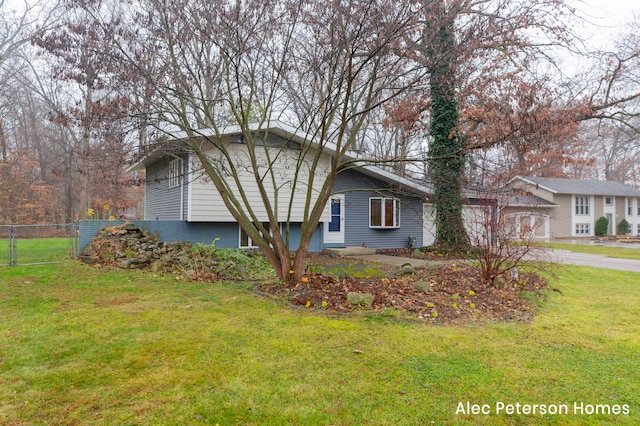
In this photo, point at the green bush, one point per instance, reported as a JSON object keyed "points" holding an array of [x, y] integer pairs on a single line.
{"points": [[602, 227], [623, 227]]}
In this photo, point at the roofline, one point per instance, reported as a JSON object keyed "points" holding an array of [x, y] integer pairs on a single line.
{"points": [[530, 182], [289, 132], [553, 206]]}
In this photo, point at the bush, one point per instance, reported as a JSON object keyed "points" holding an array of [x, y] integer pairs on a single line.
{"points": [[602, 227], [623, 227]]}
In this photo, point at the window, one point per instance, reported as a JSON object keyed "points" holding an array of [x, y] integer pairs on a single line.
{"points": [[638, 231], [638, 204], [583, 229], [175, 173], [629, 206], [582, 206], [608, 201], [245, 240], [384, 213]]}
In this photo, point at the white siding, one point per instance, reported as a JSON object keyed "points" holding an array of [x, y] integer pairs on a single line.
{"points": [[206, 202], [474, 218]]}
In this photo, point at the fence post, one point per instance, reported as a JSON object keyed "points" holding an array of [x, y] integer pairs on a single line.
{"points": [[75, 243], [13, 253]]}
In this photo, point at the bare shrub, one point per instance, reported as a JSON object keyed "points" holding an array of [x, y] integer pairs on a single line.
{"points": [[503, 241]]}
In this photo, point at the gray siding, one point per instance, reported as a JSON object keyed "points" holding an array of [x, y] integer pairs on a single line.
{"points": [[162, 202], [194, 232], [358, 188]]}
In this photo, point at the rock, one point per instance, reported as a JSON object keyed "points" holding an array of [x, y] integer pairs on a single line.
{"points": [[423, 286], [406, 270], [361, 299], [499, 282], [156, 265], [126, 264], [514, 275]]}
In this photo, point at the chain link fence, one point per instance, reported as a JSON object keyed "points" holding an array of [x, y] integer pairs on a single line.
{"points": [[38, 244]]}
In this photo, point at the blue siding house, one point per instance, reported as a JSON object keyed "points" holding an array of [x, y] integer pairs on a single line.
{"points": [[369, 206]]}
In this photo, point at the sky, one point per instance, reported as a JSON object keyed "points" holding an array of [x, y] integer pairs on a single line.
{"points": [[608, 18]]}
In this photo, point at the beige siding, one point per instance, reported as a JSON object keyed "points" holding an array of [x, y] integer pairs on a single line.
{"points": [[560, 223], [598, 207], [206, 202]]}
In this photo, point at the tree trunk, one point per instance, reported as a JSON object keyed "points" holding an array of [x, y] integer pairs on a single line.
{"points": [[446, 153]]}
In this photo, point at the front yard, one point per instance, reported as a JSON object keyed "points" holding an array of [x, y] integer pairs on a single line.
{"points": [[85, 346]]}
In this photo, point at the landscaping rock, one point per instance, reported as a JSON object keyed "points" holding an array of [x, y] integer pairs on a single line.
{"points": [[406, 270], [423, 286], [361, 299], [499, 282]]}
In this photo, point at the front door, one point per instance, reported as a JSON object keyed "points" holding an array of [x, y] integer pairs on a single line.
{"points": [[334, 229]]}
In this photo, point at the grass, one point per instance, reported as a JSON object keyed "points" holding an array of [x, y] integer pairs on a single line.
{"points": [[35, 250], [617, 252], [84, 346]]}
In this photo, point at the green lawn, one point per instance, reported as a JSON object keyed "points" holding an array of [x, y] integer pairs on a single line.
{"points": [[84, 346], [36, 250], [619, 252]]}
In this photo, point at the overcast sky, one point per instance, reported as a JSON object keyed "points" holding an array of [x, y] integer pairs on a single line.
{"points": [[608, 18]]}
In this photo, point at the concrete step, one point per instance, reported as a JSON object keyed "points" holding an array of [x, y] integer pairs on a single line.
{"points": [[350, 251]]}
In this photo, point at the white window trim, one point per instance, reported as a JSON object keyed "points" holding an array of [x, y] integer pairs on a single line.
{"points": [[629, 207], [610, 203], [582, 205], [251, 245], [175, 173], [583, 229], [396, 213]]}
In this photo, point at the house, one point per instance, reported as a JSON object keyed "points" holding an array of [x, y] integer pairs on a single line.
{"points": [[369, 206], [559, 208]]}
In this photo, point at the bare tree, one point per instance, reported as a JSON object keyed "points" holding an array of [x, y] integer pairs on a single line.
{"points": [[320, 67]]}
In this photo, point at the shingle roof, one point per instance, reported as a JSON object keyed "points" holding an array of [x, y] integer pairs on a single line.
{"points": [[520, 200], [582, 186]]}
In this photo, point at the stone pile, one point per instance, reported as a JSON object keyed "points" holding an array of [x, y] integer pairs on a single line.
{"points": [[128, 246]]}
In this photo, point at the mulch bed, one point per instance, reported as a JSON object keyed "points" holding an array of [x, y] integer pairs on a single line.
{"points": [[455, 294]]}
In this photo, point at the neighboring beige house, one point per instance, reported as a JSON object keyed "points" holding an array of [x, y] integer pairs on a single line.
{"points": [[557, 208]]}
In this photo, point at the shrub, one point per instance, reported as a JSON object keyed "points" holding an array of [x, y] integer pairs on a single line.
{"points": [[623, 227], [602, 227]]}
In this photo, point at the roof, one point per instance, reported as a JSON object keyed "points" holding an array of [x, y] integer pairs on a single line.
{"points": [[581, 186], [290, 133], [521, 200]]}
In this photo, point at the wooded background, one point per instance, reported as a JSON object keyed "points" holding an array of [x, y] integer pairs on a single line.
{"points": [[85, 84]]}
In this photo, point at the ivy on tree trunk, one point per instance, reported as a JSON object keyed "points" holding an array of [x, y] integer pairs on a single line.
{"points": [[446, 152]]}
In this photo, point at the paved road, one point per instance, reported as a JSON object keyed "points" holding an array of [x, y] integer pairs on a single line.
{"points": [[596, 261], [558, 256]]}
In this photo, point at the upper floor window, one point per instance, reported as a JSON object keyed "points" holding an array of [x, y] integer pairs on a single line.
{"points": [[175, 172], [629, 206], [384, 213], [582, 205], [608, 201], [638, 204]]}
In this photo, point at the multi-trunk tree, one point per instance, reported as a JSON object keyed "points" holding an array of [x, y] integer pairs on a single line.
{"points": [[321, 67]]}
